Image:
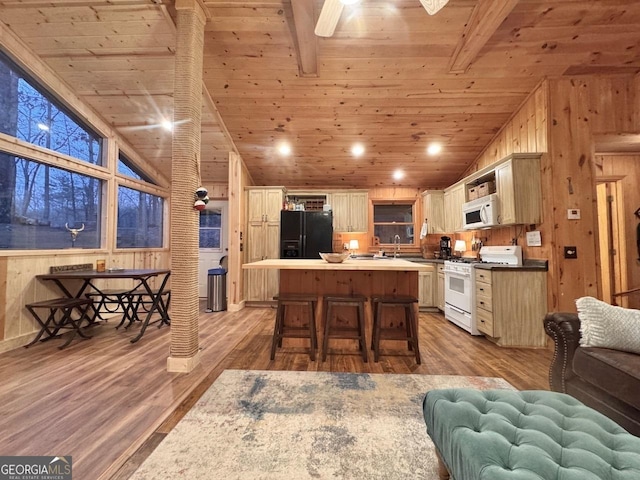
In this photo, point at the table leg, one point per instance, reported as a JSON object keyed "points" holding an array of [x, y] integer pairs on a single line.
{"points": [[156, 301]]}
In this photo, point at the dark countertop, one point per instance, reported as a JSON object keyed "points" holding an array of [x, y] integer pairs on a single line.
{"points": [[528, 265], [410, 258]]}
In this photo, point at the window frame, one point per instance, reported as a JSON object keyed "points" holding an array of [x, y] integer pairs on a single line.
{"points": [[398, 201], [65, 99]]}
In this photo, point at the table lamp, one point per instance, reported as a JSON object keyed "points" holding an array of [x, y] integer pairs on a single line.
{"points": [[353, 245], [460, 246]]}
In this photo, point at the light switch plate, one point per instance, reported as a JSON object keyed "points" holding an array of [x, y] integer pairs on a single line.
{"points": [[573, 214], [534, 239]]}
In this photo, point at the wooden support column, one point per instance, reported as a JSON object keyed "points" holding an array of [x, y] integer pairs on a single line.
{"points": [[185, 179]]}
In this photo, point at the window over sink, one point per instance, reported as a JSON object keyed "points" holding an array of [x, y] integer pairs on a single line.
{"points": [[391, 218]]}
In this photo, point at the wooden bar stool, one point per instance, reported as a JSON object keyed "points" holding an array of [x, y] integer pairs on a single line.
{"points": [[281, 330], [333, 331], [411, 325]]}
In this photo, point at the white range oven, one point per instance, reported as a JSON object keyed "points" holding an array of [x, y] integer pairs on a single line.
{"points": [[459, 295], [460, 287]]}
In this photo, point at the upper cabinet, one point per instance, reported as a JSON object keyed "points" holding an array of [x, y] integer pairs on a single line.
{"points": [[350, 211], [454, 198], [264, 204], [519, 190], [433, 210], [516, 181]]}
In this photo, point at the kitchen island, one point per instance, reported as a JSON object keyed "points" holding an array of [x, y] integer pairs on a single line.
{"points": [[368, 277], [353, 276]]}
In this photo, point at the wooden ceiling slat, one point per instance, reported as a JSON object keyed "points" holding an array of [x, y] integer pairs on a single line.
{"points": [[382, 79], [97, 14]]}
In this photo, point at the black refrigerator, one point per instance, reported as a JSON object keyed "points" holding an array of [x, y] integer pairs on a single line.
{"points": [[305, 234]]}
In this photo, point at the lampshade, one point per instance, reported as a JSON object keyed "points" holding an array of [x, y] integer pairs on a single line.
{"points": [[460, 246], [354, 245]]}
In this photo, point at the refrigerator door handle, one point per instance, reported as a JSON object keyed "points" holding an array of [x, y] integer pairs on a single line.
{"points": [[303, 246]]}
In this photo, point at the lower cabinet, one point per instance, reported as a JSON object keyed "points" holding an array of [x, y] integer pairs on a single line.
{"points": [[510, 306], [427, 288], [440, 287]]}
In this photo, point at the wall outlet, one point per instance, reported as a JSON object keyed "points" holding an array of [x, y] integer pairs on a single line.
{"points": [[573, 214], [570, 252]]}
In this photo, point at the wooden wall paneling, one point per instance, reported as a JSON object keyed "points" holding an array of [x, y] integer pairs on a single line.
{"points": [[636, 103], [238, 179], [218, 191], [582, 107]]}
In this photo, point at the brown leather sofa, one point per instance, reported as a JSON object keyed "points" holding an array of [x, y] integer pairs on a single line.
{"points": [[606, 380]]}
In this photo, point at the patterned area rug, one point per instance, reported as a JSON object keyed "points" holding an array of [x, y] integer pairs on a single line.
{"points": [[305, 425]]}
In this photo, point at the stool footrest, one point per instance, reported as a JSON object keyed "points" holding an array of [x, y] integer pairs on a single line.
{"points": [[281, 330], [341, 332]]}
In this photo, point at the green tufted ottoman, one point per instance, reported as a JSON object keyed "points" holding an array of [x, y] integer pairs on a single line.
{"points": [[506, 434]]}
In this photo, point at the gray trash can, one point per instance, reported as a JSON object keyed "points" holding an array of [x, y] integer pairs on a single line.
{"points": [[216, 290]]}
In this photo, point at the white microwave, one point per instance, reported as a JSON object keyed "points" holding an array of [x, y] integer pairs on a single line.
{"points": [[481, 213]]}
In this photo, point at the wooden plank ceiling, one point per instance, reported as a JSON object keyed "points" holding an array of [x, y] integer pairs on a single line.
{"points": [[391, 77]]}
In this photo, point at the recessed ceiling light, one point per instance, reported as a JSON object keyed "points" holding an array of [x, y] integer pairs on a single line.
{"points": [[434, 148], [284, 149], [44, 127], [398, 175], [357, 150], [167, 125]]}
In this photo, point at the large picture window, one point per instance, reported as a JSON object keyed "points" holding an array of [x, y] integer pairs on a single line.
{"points": [[27, 113], [40, 204], [391, 219], [140, 218], [126, 167]]}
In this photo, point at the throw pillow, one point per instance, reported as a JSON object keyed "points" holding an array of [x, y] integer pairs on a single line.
{"points": [[608, 326]]}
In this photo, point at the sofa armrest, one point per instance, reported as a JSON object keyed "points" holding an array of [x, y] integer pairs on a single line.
{"points": [[564, 328]]}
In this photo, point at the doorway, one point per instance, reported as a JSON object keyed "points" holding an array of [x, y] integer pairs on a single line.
{"points": [[214, 240], [613, 277]]}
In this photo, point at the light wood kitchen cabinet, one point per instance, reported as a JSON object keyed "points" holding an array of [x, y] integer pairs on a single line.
{"points": [[454, 198], [263, 240], [426, 287], [433, 210], [510, 306], [519, 190], [350, 211], [440, 283]]}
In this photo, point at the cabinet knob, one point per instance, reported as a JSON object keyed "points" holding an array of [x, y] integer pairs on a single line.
{"points": [[481, 289]]}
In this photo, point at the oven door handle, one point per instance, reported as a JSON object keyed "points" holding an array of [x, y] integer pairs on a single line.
{"points": [[459, 310], [457, 274]]}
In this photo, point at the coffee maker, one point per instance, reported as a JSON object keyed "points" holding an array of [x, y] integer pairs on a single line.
{"points": [[445, 248]]}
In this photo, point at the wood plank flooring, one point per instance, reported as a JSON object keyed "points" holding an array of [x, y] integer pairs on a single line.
{"points": [[108, 403]]}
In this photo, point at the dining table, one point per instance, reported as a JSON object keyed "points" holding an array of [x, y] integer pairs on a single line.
{"points": [[75, 283]]}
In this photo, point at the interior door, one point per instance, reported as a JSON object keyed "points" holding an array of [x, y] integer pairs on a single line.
{"points": [[612, 274], [214, 238]]}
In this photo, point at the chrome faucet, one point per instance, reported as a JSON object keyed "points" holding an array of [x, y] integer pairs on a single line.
{"points": [[396, 246]]}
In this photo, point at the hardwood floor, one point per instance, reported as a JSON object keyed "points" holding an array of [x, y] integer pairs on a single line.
{"points": [[108, 403]]}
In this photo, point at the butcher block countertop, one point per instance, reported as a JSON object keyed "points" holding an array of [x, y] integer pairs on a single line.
{"points": [[394, 264]]}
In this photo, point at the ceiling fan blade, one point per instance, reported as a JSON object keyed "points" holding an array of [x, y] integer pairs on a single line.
{"points": [[433, 6], [329, 16]]}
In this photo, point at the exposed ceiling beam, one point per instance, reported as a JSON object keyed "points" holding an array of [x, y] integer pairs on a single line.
{"points": [[304, 24], [485, 19]]}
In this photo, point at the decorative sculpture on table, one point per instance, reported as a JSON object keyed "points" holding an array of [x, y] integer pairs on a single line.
{"points": [[74, 233]]}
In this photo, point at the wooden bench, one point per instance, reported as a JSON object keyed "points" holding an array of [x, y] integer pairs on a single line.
{"points": [[52, 326]]}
